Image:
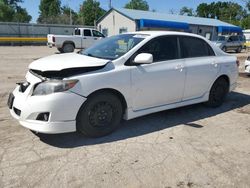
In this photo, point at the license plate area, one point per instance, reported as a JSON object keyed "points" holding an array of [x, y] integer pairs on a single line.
{"points": [[10, 100]]}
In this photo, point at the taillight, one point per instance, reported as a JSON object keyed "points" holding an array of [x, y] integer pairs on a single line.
{"points": [[53, 39], [237, 63]]}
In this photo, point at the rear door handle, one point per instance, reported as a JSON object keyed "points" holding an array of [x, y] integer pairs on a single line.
{"points": [[179, 67], [214, 64]]}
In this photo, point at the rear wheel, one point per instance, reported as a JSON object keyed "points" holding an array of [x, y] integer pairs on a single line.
{"points": [[99, 115], [218, 92], [67, 48]]}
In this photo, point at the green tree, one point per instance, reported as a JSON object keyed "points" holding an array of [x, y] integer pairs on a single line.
{"points": [[225, 11], [247, 4], [6, 12], [50, 11], [203, 10], [90, 12], [187, 11], [68, 16], [21, 15], [10, 11], [245, 23], [137, 4]]}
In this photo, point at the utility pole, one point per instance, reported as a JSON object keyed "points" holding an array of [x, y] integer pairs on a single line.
{"points": [[110, 4], [70, 16], [70, 13]]}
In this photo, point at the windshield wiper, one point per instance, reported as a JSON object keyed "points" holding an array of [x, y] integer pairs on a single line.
{"points": [[89, 54]]}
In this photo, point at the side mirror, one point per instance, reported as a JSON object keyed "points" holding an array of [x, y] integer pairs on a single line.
{"points": [[143, 58]]}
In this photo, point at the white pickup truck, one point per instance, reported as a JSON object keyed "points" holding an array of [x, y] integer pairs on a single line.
{"points": [[82, 38]]}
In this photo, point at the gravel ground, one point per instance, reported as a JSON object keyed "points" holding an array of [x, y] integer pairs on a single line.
{"points": [[194, 146]]}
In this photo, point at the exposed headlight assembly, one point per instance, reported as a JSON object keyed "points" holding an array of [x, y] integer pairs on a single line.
{"points": [[53, 86]]}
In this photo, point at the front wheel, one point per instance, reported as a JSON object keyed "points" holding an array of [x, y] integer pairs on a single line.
{"points": [[218, 93], [99, 115]]}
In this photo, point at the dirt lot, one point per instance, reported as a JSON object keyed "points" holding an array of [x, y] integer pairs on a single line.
{"points": [[194, 146]]}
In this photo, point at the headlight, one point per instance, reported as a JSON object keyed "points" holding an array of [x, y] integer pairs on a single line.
{"points": [[53, 86]]}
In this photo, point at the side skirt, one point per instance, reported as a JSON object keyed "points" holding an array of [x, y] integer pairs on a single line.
{"points": [[130, 114]]}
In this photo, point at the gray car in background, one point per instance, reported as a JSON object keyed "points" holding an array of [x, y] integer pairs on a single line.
{"points": [[227, 43]]}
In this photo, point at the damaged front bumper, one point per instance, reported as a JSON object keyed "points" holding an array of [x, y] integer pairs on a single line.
{"points": [[53, 113]]}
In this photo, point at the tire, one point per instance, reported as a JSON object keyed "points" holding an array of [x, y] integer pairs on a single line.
{"points": [[68, 48], [60, 50], [239, 49], [224, 49], [218, 93], [99, 115]]}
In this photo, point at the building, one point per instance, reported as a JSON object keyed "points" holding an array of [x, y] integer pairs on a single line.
{"points": [[121, 20]]}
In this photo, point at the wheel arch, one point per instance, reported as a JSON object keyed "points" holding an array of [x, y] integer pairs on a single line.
{"points": [[112, 91], [68, 42], [224, 76]]}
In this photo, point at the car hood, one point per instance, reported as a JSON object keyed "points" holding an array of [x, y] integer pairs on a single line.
{"points": [[217, 42], [60, 62]]}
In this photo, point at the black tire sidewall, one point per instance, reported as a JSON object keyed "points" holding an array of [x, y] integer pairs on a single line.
{"points": [[219, 83], [65, 48], [60, 50], [82, 121]]}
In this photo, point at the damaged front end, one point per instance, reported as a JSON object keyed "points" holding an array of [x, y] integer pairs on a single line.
{"points": [[65, 73]]}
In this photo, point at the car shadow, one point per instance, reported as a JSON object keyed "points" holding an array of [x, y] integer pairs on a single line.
{"points": [[150, 123], [244, 75]]}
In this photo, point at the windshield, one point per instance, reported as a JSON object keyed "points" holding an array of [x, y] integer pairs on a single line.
{"points": [[114, 47]]}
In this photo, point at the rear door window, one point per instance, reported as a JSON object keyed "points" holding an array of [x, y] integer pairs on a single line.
{"points": [[194, 47], [77, 32], [87, 32], [162, 48]]}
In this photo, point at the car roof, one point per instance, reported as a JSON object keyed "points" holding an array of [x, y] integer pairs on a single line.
{"points": [[161, 33]]}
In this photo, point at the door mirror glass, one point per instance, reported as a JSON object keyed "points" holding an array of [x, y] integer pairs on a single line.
{"points": [[143, 58]]}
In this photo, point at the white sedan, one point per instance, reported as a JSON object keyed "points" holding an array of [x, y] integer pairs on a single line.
{"points": [[247, 65], [124, 76]]}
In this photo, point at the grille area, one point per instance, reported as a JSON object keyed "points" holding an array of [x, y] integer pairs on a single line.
{"points": [[17, 111]]}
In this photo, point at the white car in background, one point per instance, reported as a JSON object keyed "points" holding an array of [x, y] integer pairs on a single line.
{"points": [[123, 76], [247, 65]]}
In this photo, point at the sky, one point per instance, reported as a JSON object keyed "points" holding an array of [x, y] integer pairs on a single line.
{"points": [[163, 6]]}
